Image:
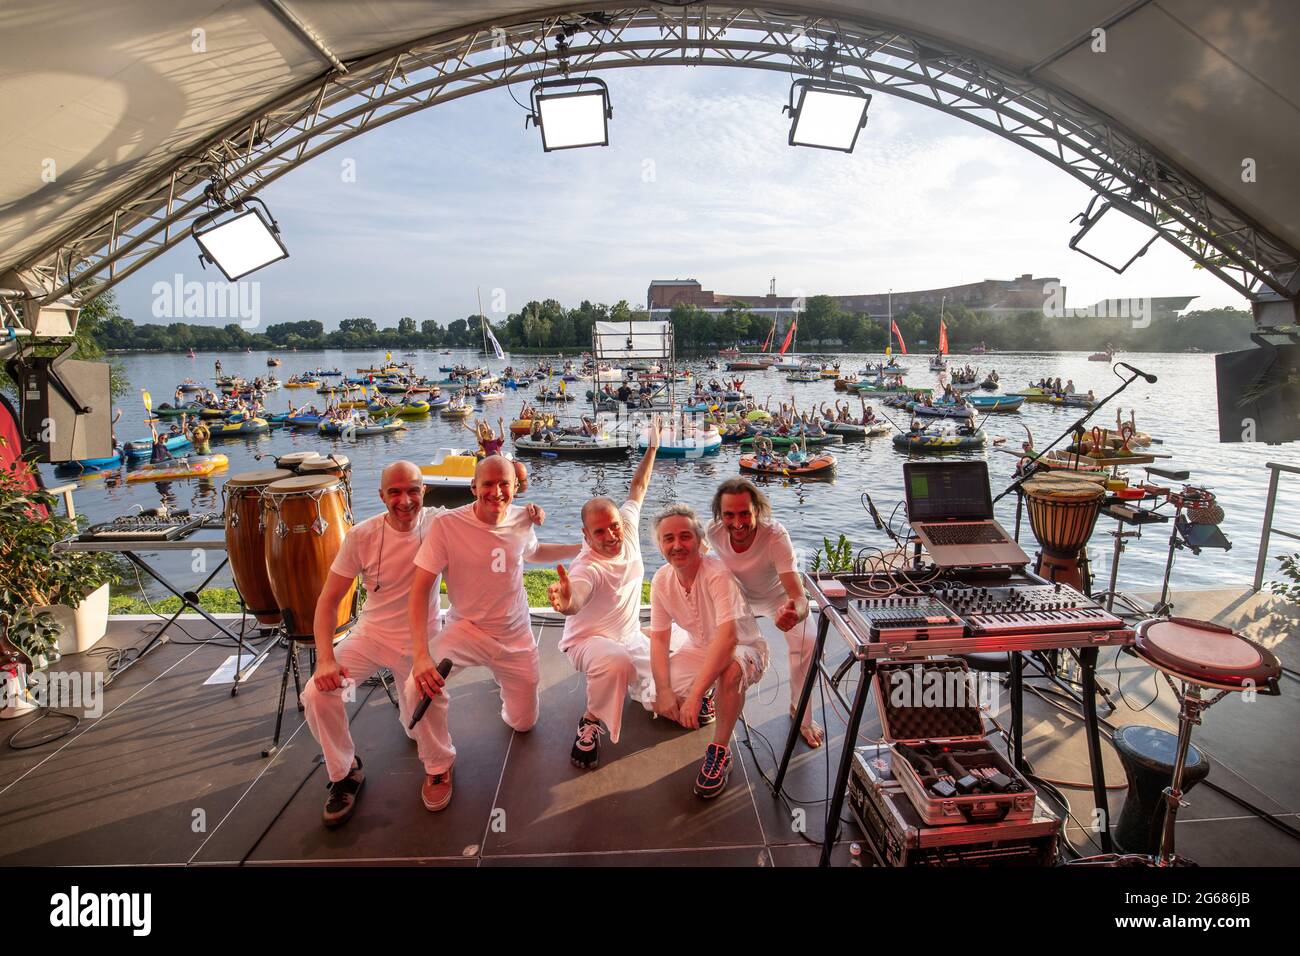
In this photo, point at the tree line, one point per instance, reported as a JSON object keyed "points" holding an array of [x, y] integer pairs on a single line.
{"points": [[548, 326]]}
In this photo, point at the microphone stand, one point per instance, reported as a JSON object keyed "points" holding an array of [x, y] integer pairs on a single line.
{"points": [[1077, 429]]}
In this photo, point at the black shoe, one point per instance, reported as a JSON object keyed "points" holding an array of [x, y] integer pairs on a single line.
{"points": [[708, 713], [586, 748], [343, 796], [712, 779]]}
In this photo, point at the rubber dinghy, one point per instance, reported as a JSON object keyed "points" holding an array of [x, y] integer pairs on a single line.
{"points": [[819, 466], [934, 440], [572, 446], [143, 447]]}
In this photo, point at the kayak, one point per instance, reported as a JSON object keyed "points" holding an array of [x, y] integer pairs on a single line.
{"points": [[309, 420], [854, 430], [180, 468], [819, 466], [300, 384], [87, 466], [757, 415], [403, 409], [249, 426], [940, 441], [571, 446], [785, 441], [143, 447], [176, 411], [994, 403]]}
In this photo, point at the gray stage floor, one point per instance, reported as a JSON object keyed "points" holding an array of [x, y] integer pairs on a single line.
{"points": [[171, 773]]}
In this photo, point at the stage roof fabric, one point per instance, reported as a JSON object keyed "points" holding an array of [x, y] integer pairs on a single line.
{"points": [[112, 92]]}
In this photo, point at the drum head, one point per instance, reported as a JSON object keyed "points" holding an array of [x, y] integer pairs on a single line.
{"points": [[295, 458], [1065, 487], [254, 479], [1201, 653], [303, 484], [318, 465]]}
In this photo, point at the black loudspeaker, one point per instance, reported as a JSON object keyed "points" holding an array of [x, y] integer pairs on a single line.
{"points": [[1259, 394], [67, 409]]}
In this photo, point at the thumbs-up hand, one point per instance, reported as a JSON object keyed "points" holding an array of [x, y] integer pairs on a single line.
{"points": [[561, 591]]}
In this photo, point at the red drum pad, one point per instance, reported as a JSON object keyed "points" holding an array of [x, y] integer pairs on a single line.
{"points": [[1206, 654]]}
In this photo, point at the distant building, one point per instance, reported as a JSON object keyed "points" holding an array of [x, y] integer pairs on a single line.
{"points": [[996, 296]]}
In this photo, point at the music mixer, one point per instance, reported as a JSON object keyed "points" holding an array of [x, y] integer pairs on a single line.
{"points": [[144, 527], [975, 612]]}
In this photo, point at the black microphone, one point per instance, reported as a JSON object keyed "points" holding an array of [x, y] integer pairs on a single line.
{"points": [[444, 668], [1137, 371], [875, 515]]}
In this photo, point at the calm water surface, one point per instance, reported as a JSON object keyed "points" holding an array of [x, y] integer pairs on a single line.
{"points": [[1180, 409]]}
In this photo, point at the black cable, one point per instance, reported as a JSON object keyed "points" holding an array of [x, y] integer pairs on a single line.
{"points": [[45, 712]]}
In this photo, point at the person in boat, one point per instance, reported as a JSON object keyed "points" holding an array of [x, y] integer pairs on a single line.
{"points": [[489, 442], [159, 454], [624, 393], [1069, 387], [811, 426], [480, 549], [868, 413], [797, 454], [588, 428], [1092, 397], [705, 679], [763, 452], [201, 436], [600, 598]]}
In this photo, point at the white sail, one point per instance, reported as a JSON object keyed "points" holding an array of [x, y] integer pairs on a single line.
{"points": [[496, 346]]}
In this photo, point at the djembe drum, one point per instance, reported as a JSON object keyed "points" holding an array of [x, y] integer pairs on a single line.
{"points": [[1063, 510], [245, 540]]}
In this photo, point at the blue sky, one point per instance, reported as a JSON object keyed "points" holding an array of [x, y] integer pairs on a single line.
{"points": [[698, 182]]}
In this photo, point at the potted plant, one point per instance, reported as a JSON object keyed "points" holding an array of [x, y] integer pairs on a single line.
{"points": [[53, 602]]}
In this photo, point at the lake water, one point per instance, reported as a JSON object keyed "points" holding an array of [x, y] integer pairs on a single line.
{"points": [[1180, 409]]}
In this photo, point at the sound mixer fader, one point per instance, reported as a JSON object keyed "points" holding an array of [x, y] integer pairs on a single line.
{"points": [[905, 618]]}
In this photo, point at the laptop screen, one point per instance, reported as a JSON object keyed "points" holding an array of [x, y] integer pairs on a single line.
{"points": [[947, 490]]}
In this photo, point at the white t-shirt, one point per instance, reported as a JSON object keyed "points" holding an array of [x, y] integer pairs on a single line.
{"points": [[758, 568], [484, 568], [383, 556], [610, 586], [714, 599]]}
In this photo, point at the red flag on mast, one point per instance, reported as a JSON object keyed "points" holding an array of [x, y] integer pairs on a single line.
{"points": [[902, 346], [789, 335], [943, 337], [767, 342]]}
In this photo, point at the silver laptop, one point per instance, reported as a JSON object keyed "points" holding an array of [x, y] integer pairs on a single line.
{"points": [[951, 510]]}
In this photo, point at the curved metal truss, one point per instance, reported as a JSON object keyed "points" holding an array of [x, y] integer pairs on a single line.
{"points": [[332, 110]]}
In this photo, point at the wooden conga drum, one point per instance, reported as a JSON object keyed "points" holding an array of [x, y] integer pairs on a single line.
{"points": [[1063, 510], [307, 518], [337, 465], [245, 544]]}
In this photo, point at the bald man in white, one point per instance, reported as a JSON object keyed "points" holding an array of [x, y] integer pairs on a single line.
{"points": [[481, 549], [382, 551]]}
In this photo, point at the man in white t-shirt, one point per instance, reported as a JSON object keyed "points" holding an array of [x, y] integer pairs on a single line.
{"points": [[758, 553], [381, 550], [600, 596], [723, 649], [481, 549]]}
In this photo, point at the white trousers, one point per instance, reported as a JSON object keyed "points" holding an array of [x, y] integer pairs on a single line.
{"points": [[684, 665], [516, 672], [362, 656], [614, 669], [799, 641]]}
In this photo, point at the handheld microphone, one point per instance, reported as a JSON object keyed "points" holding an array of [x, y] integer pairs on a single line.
{"points": [[1151, 379], [444, 668]]}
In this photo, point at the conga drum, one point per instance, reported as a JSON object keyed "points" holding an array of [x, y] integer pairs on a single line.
{"points": [[307, 518], [295, 459], [1063, 510], [337, 465], [245, 544]]}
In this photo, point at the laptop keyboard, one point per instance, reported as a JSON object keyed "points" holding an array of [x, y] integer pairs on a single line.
{"points": [[964, 534]]}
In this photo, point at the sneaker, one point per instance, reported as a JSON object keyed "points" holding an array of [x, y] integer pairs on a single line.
{"points": [[713, 772], [708, 713], [586, 748], [342, 799], [436, 791]]}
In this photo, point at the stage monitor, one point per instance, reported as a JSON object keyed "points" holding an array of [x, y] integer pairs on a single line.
{"points": [[621, 341], [53, 428], [1259, 394]]}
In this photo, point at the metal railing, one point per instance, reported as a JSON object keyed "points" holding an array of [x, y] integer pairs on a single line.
{"points": [[1268, 530]]}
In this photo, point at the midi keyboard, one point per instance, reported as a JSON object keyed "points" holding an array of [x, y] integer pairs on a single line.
{"points": [[139, 527]]}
